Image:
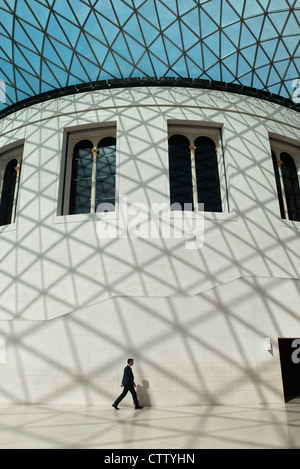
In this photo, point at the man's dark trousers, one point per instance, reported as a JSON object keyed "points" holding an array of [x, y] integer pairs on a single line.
{"points": [[130, 388]]}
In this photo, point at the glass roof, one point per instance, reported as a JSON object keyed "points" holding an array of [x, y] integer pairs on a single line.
{"points": [[50, 44]]}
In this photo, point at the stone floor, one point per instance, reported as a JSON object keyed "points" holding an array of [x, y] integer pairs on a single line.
{"points": [[167, 428]]}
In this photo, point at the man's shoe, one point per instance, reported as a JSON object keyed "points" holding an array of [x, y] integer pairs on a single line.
{"points": [[139, 407], [115, 407]]}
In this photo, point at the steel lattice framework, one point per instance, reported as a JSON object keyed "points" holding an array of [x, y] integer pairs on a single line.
{"points": [[52, 44]]}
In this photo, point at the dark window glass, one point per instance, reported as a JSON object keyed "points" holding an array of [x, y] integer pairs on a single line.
{"points": [[291, 186], [81, 178], [181, 190], [207, 175], [106, 172], [8, 193], [278, 185]]}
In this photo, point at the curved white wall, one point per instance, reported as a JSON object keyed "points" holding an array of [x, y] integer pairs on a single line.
{"points": [[74, 306]]}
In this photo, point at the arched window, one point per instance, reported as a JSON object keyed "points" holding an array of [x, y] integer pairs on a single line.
{"points": [[181, 188], [291, 186], [194, 174], [106, 172], [93, 174], [284, 157], [207, 174], [81, 178], [9, 192]]}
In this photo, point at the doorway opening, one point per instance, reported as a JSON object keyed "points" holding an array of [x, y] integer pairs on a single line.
{"points": [[289, 352]]}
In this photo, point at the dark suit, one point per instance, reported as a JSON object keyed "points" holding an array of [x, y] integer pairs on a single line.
{"points": [[128, 383]]}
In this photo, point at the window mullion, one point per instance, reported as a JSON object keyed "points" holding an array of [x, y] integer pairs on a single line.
{"points": [[13, 213], [285, 207], [194, 178], [94, 180], [1, 181]]}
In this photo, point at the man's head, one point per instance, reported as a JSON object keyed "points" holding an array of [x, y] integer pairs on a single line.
{"points": [[130, 361]]}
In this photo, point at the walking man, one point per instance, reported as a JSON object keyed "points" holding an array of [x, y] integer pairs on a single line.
{"points": [[129, 385]]}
